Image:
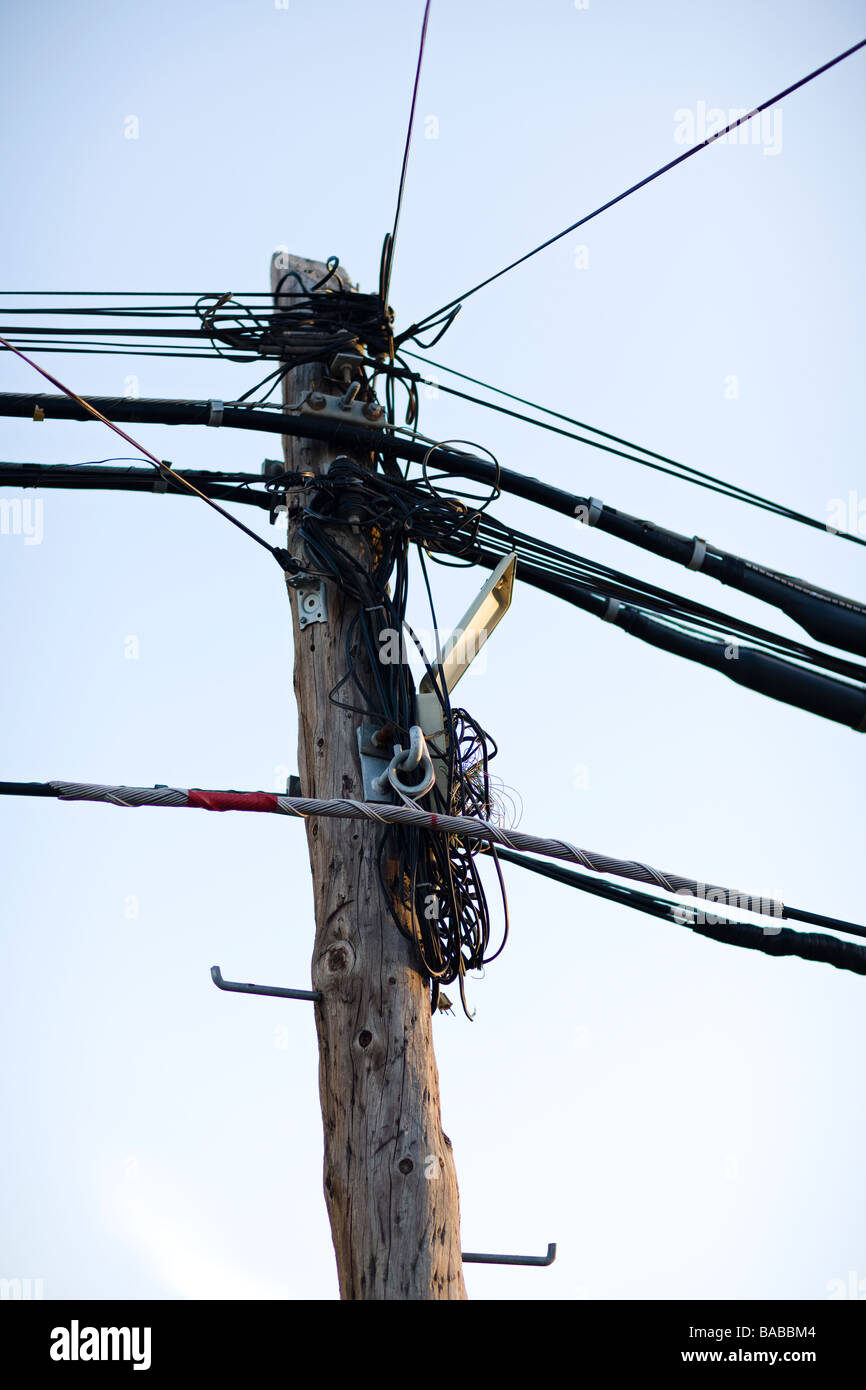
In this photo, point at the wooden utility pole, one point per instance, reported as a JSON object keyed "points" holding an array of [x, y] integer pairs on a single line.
{"points": [[389, 1176]]}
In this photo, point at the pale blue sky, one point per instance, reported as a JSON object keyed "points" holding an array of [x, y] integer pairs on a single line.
{"points": [[682, 1118]]}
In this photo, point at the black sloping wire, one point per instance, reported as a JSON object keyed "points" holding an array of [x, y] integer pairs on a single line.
{"points": [[421, 324], [810, 946]]}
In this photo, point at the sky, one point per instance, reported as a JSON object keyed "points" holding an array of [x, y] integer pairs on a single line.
{"points": [[682, 1118]]}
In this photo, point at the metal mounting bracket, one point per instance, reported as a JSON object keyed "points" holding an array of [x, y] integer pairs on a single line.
{"points": [[345, 361], [235, 987], [312, 599], [367, 413], [474, 1259], [374, 761]]}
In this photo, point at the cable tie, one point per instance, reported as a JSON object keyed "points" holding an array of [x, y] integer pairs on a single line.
{"points": [[215, 416], [698, 555]]}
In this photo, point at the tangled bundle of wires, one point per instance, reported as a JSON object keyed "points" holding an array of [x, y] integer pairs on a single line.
{"points": [[443, 907], [310, 323], [295, 324]]}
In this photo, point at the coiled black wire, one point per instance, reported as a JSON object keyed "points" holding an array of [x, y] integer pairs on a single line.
{"points": [[438, 885]]}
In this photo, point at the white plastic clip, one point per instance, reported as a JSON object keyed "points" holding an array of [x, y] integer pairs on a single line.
{"points": [[612, 611], [699, 554], [216, 412]]}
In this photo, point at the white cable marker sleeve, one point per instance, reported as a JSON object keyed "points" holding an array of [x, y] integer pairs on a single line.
{"points": [[215, 416], [699, 554], [612, 611]]}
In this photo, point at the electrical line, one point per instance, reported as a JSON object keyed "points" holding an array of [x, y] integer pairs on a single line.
{"points": [[543, 565], [438, 885], [389, 254], [663, 464], [292, 335], [687, 154], [117, 294], [779, 589], [827, 616], [456, 524], [469, 827], [283, 559], [441, 522], [826, 950], [586, 583], [539, 558], [302, 326], [774, 941]]}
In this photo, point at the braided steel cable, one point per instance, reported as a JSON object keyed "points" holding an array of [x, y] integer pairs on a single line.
{"points": [[464, 827], [468, 829]]}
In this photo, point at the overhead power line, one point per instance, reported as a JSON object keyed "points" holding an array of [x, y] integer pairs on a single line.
{"points": [[122, 294], [618, 892], [470, 827], [96, 477], [289, 333], [582, 582], [446, 525], [420, 325], [826, 950], [281, 556], [388, 259], [826, 616], [483, 541], [842, 954], [660, 463]]}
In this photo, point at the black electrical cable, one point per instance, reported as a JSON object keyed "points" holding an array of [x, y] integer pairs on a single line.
{"points": [[661, 463], [442, 905], [222, 487], [826, 616], [115, 294], [303, 325], [284, 560], [389, 259], [826, 950], [499, 540], [444, 523], [243, 417], [687, 154], [758, 670], [484, 541], [265, 341], [457, 529]]}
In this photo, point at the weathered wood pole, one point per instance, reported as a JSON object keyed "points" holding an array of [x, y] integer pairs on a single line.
{"points": [[389, 1176]]}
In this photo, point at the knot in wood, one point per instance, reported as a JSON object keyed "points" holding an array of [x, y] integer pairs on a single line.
{"points": [[335, 961]]}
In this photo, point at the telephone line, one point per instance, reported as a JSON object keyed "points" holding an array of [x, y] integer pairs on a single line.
{"points": [[420, 325]]}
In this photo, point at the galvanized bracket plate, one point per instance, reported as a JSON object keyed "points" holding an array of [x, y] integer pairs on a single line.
{"points": [[312, 599], [374, 761], [366, 413]]}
